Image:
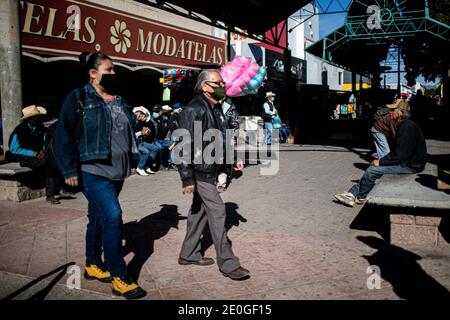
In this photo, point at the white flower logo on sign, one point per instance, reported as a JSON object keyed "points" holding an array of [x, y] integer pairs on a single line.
{"points": [[120, 36]]}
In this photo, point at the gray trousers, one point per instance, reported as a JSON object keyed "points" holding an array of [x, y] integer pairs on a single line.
{"points": [[208, 207]]}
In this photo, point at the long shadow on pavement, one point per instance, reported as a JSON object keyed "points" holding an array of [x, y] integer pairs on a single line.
{"points": [[373, 218], [400, 268], [140, 236], [41, 294]]}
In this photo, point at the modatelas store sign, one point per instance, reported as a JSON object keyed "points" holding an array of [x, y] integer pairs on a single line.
{"points": [[68, 27]]}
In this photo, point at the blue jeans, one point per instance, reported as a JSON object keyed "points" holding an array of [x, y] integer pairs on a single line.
{"points": [[165, 144], [367, 182], [104, 229], [268, 126], [284, 134], [147, 150], [381, 143]]}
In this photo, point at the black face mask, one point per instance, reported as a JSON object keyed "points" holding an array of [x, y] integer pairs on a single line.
{"points": [[219, 93], [110, 82]]}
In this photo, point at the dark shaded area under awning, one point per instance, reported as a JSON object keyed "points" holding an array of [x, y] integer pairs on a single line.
{"points": [[254, 16]]}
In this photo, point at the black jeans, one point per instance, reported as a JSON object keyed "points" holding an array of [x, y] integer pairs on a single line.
{"points": [[48, 167]]}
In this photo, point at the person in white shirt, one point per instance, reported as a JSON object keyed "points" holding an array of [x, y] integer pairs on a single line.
{"points": [[268, 113]]}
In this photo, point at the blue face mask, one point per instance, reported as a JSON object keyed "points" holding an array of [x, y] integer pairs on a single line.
{"points": [[155, 115]]}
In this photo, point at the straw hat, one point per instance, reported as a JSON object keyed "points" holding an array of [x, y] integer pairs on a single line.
{"points": [[166, 108], [270, 94], [143, 110], [32, 111], [399, 103]]}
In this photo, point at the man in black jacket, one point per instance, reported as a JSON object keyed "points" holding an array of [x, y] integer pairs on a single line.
{"points": [[198, 173], [409, 156]]}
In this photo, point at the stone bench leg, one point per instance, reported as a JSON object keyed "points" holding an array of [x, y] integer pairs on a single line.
{"points": [[15, 191], [415, 230]]}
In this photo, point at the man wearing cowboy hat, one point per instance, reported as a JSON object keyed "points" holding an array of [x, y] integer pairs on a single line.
{"points": [[145, 133], [26, 145], [409, 156], [268, 113]]}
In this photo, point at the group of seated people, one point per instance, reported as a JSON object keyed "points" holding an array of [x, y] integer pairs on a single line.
{"points": [[30, 144], [154, 137]]}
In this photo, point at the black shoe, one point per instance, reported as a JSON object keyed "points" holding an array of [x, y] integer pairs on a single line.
{"points": [[204, 261], [171, 167], [237, 274], [52, 200], [66, 195]]}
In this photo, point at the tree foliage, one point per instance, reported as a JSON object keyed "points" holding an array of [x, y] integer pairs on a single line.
{"points": [[426, 54]]}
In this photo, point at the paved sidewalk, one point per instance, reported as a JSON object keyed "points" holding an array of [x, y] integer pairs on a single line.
{"points": [[286, 230]]}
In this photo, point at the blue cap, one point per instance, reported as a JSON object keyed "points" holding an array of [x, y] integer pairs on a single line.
{"points": [[177, 106]]}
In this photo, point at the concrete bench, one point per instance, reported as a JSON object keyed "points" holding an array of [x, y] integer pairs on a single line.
{"points": [[415, 205], [20, 183]]}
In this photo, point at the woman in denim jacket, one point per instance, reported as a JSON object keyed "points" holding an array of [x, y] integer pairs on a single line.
{"points": [[95, 137]]}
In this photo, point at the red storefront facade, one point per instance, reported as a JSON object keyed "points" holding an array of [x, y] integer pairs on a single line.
{"points": [[57, 31], [68, 27]]}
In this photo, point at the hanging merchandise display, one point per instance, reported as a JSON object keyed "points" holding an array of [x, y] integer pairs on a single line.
{"points": [[173, 77], [166, 94], [242, 76]]}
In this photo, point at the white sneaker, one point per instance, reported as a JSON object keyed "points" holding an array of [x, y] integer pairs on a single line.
{"points": [[346, 198], [149, 170], [141, 172]]}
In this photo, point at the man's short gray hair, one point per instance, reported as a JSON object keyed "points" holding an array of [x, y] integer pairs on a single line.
{"points": [[204, 75]]}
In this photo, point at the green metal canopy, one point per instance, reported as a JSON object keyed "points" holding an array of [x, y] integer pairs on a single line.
{"points": [[372, 26]]}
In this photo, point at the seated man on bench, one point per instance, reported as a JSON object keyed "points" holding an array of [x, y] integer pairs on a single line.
{"points": [[26, 145], [409, 156]]}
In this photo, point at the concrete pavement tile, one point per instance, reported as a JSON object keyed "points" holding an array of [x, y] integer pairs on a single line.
{"points": [[10, 234], [205, 273], [225, 289], [382, 294], [15, 256], [269, 281], [328, 270], [282, 294], [256, 266], [186, 292], [302, 275], [167, 278], [152, 294], [42, 267], [353, 284], [320, 290], [96, 286]]}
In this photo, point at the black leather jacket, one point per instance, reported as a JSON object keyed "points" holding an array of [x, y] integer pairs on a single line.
{"points": [[200, 168]]}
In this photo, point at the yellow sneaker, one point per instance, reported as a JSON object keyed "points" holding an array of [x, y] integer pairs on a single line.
{"points": [[93, 272], [127, 288]]}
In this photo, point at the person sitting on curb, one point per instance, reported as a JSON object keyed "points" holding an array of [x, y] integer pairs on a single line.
{"points": [[409, 156], [26, 145]]}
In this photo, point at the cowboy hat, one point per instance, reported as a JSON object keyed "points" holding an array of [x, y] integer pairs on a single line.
{"points": [[32, 111], [400, 104], [270, 94], [143, 110], [166, 108]]}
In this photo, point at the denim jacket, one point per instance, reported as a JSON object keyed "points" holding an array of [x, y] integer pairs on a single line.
{"points": [[95, 137]]}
